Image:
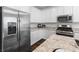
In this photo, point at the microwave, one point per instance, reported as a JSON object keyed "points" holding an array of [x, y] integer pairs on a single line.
{"points": [[64, 18]]}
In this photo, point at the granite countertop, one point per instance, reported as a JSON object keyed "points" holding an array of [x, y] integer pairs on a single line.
{"points": [[58, 41]]}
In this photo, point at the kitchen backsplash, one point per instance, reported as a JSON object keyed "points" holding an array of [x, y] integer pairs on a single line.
{"points": [[47, 24], [75, 26]]}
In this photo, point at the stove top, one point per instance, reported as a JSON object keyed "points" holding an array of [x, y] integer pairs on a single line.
{"points": [[67, 31]]}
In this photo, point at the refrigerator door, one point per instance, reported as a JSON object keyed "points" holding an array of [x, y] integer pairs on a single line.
{"points": [[9, 35], [24, 31]]}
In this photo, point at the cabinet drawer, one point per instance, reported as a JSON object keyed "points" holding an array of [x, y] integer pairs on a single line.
{"points": [[76, 36]]}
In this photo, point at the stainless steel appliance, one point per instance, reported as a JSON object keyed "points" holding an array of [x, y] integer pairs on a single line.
{"points": [[14, 30], [64, 30], [64, 18], [41, 25]]}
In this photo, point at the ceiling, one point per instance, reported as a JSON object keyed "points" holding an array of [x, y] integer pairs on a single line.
{"points": [[43, 7]]}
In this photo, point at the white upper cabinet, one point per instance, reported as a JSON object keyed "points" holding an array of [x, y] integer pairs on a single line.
{"points": [[49, 15], [67, 10], [76, 14], [54, 15], [64, 10], [60, 11], [35, 15]]}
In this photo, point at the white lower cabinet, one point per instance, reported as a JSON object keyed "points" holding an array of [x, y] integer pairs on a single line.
{"points": [[76, 36], [39, 34], [48, 33], [36, 36]]}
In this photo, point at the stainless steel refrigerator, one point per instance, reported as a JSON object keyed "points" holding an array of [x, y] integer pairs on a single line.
{"points": [[14, 30]]}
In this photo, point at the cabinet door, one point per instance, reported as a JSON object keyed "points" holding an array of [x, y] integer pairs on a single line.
{"points": [[67, 10], [60, 11], [35, 15], [47, 15], [37, 35], [76, 36], [48, 33], [76, 14], [54, 15]]}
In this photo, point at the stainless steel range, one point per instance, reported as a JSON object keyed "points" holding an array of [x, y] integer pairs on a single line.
{"points": [[64, 30]]}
